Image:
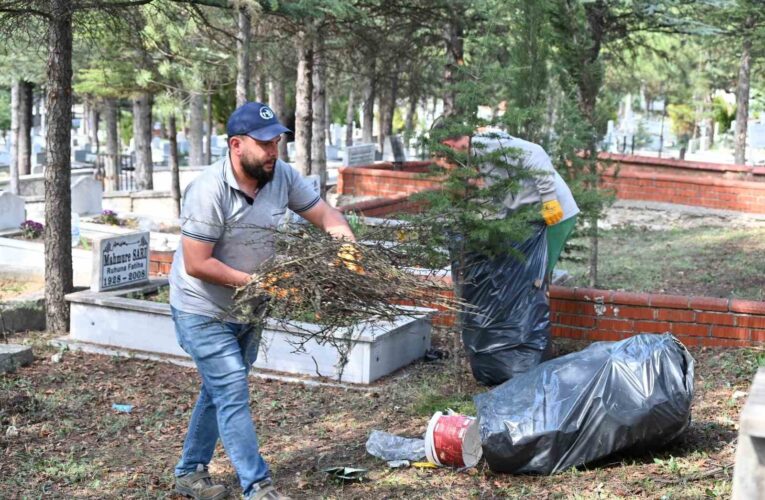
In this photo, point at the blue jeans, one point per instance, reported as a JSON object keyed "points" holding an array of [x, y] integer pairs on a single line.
{"points": [[223, 353]]}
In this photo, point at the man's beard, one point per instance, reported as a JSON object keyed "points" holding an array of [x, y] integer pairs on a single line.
{"points": [[258, 172]]}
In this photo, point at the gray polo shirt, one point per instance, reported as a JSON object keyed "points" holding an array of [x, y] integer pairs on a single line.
{"points": [[545, 185], [215, 210]]}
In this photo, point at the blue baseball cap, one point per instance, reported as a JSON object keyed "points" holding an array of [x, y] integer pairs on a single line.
{"points": [[256, 120]]}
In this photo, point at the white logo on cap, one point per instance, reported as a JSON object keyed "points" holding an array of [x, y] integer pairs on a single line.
{"points": [[266, 113]]}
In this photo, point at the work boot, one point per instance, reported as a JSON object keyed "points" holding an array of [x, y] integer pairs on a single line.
{"points": [[199, 486], [265, 490]]}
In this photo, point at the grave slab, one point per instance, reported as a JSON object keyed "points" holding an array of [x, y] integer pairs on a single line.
{"points": [[115, 320], [12, 356]]}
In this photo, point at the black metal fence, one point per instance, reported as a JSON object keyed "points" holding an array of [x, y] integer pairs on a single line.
{"points": [[125, 170]]}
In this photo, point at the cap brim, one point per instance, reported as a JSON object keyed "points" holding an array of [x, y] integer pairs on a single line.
{"points": [[268, 133]]}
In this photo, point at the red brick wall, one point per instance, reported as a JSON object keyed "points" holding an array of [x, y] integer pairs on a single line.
{"points": [[382, 180], [711, 185], [384, 207], [584, 313], [590, 314], [160, 262]]}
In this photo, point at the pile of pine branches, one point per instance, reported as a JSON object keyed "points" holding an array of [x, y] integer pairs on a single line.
{"points": [[330, 291]]}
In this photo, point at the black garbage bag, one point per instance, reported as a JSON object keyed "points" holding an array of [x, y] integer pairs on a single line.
{"points": [[506, 328], [613, 396]]}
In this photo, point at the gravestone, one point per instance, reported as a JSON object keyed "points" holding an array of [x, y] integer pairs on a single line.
{"points": [[332, 152], [338, 134], [362, 154], [291, 150], [87, 196], [393, 149], [80, 155], [39, 159], [11, 210], [120, 261]]}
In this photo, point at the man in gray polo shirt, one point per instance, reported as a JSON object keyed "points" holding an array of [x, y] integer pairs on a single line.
{"points": [[226, 220]]}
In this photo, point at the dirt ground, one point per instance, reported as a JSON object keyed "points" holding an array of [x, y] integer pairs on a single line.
{"points": [[11, 288], [60, 438]]}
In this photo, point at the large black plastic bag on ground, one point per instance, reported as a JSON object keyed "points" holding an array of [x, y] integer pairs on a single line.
{"points": [[578, 408], [506, 329]]}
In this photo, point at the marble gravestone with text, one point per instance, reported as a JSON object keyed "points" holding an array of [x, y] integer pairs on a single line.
{"points": [[120, 261]]}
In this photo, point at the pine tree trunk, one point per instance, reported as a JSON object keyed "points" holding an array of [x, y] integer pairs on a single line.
{"points": [[742, 95], [93, 117], [25, 128], [208, 151], [393, 97], [318, 115], [458, 289], [384, 96], [276, 100], [367, 125], [196, 129], [175, 176], [58, 201], [303, 110], [349, 115], [14, 138], [454, 58], [144, 169], [410, 114], [243, 57], [328, 116], [111, 164], [389, 110]]}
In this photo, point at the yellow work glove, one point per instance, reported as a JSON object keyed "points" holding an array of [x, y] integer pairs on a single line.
{"points": [[552, 212], [350, 256]]}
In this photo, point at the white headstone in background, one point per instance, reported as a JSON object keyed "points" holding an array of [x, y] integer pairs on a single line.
{"points": [[332, 152], [120, 261], [11, 210], [291, 150], [362, 154], [87, 196]]}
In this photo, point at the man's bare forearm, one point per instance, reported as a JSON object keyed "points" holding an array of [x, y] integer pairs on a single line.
{"points": [[336, 225], [216, 272]]}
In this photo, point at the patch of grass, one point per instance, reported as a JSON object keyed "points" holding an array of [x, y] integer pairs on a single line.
{"points": [[162, 295], [715, 262], [430, 402], [66, 470]]}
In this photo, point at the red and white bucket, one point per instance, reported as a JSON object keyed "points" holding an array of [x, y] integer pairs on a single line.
{"points": [[453, 440]]}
